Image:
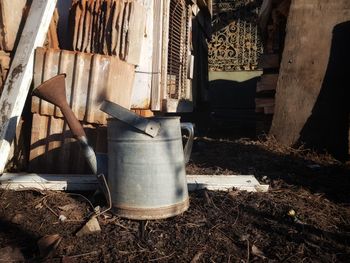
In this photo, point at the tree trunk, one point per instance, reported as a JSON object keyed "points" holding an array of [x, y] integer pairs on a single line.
{"points": [[313, 90]]}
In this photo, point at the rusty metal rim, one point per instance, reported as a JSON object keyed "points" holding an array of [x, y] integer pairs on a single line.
{"points": [[151, 213]]}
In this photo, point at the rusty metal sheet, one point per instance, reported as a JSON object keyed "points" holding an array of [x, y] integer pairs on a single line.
{"points": [[54, 150], [91, 78]]}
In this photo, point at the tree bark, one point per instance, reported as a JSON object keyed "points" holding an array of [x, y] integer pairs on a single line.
{"points": [[312, 96]]}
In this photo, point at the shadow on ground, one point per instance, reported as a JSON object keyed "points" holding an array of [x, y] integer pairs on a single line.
{"points": [[275, 166]]}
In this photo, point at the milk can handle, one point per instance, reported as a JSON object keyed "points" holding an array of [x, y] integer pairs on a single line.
{"points": [[188, 146]]}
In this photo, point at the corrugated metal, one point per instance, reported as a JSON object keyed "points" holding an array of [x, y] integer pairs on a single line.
{"points": [[91, 78], [53, 150]]}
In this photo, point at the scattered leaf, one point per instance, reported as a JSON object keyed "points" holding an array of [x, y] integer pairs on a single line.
{"points": [[257, 252], [48, 244]]}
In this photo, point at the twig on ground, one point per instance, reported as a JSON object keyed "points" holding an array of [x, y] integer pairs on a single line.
{"points": [[248, 252], [83, 255], [51, 210], [87, 200], [161, 258]]}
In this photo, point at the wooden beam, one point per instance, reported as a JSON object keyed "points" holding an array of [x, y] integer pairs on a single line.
{"points": [[21, 72], [205, 5], [136, 32], [264, 102], [59, 182], [268, 61], [164, 55], [225, 182], [267, 82], [175, 105], [157, 55]]}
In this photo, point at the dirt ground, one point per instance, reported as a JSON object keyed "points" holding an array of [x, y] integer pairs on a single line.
{"points": [[219, 226]]}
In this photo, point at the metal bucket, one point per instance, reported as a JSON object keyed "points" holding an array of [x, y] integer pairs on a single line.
{"points": [[146, 175]]}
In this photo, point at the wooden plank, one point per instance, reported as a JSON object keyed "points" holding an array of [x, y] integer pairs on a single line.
{"points": [[119, 28], [11, 12], [136, 33], [108, 28], [52, 35], [21, 72], [269, 61], [141, 97], [125, 28], [267, 82], [91, 6], [264, 102], [50, 70], [54, 150], [205, 5], [164, 54], [61, 182], [157, 55], [269, 110], [224, 183], [89, 79], [38, 76], [177, 105], [122, 76], [4, 67], [54, 182]]}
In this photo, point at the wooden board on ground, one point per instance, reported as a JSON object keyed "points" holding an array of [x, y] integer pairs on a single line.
{"points": [[21, 72], [88, 182]]}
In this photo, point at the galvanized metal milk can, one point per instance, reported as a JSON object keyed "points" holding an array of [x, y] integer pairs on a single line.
{"points": [[146, 174]]}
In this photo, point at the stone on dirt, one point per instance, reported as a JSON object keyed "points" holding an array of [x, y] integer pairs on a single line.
{"points": [[92, 226]]}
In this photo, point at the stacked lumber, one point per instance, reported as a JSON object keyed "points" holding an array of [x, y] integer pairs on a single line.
{"points": [[265, 93], [270, 60], [52, 36], [108, 27], [90, 78]]}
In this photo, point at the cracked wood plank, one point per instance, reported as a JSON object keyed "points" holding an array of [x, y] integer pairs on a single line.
{"points": [[21, 72]]}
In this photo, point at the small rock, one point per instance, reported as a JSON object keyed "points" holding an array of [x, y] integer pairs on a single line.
{"points": [[62, 218], [97, 209], [92, 226], [17, 219], [11, 254], [39, 206]]}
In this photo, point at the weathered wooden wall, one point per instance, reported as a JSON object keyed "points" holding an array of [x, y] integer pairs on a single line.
{"points": [[312, 99]]}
